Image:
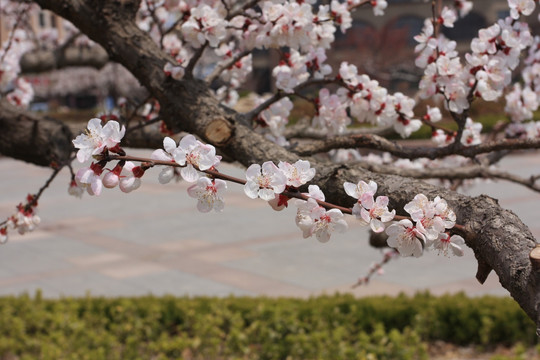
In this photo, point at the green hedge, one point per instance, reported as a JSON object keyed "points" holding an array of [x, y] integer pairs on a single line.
{"points": [[327, 327]]}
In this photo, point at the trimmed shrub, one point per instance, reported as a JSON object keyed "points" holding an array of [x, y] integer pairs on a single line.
{"points": [[326, 327]]}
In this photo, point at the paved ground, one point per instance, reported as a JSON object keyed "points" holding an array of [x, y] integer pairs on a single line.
{"points": [[155, 241]]}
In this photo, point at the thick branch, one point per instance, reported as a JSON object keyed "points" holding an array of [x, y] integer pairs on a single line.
{"points": [[502, 241], [32, 138]]}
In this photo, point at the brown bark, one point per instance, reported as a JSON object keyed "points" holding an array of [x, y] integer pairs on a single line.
{"points": [[29, 137], [499, 239]]}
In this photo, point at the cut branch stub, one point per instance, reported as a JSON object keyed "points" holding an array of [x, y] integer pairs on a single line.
{"points": [[219, 131], [535, 257]]}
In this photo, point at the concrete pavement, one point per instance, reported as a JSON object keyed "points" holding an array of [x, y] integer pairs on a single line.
{"points": [[155, 241]]}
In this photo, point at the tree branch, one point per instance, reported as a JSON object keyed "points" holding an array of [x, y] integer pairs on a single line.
{"points": [[375, 142], [32, 138], [455, 173], [501, 240]]}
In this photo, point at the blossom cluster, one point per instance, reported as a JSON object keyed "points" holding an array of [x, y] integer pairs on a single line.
{"points": [[524, 99], [488, 69], [368, 209], [314, 219], [24, 220], [276, 184], [432, 219]]}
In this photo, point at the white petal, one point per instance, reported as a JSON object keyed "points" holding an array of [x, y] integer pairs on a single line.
{"points": [[169, 145], [166, 175], [193, 191], [97, 186], [188, 142], [253, 171], [161, 155], [350, 189], [456, 250], [323, 235], [376, 226], [204, 206], [267, 194], [251, 189], [189, 173]]}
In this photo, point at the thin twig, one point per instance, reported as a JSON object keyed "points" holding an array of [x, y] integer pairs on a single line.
{"points": [[464, 172], [375, 142], [251, 115], [148, 163], [193, 61], [36, 196]]}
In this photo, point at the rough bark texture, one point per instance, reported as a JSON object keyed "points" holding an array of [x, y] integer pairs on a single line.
{"points": [[33, 138], [499, 239]]}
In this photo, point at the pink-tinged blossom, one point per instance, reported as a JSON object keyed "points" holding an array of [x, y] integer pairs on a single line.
{"points": [[456, 93], [375, 213], [298, 173], [378, 7], [168, 172], [96, 138], [193, 153], [304, 219], [25, 220], [265, 181], [471, 133], [349, 74], [464, 7], [209, 193], [325, 222], [447, 66], [176, 72], [23, 93], [332, 113], [291, 72], [405, 238], [204, 24], [486, 42], [315, 192], [443, 210], [362, 191], [89, 178], [429, 83], [433, 114], [423, 39], [441, 138], [130, 179], [520, 103], [519, 7], [112, 178], [75, 190], [3, 235], [323, 29], [431, 217], [275, 118], [448, 245], [448, 17], [403, 113], [342, 15], [315, 63]]}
